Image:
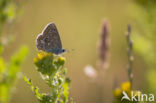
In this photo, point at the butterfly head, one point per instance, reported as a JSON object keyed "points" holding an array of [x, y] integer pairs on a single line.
{"points": [[63, 50]]}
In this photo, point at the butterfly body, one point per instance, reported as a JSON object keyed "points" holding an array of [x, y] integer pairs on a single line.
{"points": [[57, 51], [49, 40]]}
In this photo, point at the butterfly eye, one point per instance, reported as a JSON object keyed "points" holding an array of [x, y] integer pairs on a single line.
{"points": [[63, 50]]}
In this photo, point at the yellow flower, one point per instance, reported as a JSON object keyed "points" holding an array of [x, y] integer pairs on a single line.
{"points": [[43, 54], [117, 92], [35, 60], [126, 86]]}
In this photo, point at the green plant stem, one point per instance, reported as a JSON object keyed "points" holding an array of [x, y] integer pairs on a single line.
{"points": [[129, 52], [53, 89]]}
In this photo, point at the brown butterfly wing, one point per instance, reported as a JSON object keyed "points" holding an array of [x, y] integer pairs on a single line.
{"points": [[49, 39]]}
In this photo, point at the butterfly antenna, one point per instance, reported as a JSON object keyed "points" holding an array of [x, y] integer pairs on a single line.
{"points": [[69, 50]]}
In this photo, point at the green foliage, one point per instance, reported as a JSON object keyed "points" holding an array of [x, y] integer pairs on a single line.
{"points": [[9, 10], [9, 73], [144, 12], [51, 69], [9, 70], [145, 2], [152, 82]]}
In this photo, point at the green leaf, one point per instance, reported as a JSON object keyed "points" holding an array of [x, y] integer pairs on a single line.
{"points": [[4, 94], [66, 91], [33, 88], [2, 66], [46, 98], [16, 61], [10, 11], [28, 81]]}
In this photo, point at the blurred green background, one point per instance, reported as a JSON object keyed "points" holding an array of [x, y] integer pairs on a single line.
{"points": [[79, 23]]}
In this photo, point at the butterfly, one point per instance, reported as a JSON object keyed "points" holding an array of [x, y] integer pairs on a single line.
{"points": [[49, 40]]}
